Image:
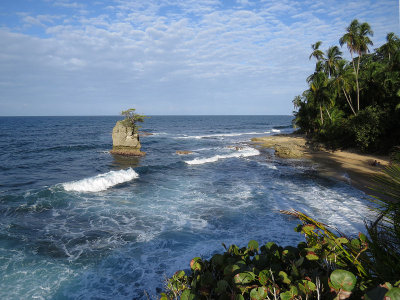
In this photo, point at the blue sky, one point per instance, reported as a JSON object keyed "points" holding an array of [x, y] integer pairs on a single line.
{"points": [[66, 57]]}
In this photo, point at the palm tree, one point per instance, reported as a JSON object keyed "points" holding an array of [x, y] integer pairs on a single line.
{"points": [[318, 82], [392, 45], [357, 41], [343, 80], [318, 54], [333, 55]]}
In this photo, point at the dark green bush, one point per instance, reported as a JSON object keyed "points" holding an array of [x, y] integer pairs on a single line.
{"points": [[366, 127]]}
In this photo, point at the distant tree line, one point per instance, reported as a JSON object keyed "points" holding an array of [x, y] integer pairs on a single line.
{"points": [[353, 103]]}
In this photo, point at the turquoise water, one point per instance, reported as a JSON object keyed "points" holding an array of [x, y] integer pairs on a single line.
{"points": [[79, 223]]}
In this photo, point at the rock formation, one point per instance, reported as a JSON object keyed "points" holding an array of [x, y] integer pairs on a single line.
{"points": [[184, 152], [125, 140], [285, 146]]}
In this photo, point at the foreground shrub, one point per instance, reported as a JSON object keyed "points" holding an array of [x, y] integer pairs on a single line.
{"points": [[326, 266]]}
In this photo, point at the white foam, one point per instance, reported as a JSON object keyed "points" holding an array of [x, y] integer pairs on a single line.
{"points": [[101, 182], [220, 135], [245, 152], [269, 166], [275, 130]]}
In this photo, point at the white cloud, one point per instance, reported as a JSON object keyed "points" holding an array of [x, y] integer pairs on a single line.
{"points": [[174, 54]]}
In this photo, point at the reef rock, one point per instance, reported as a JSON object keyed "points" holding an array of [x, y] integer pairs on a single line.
{"points": [[285, 146], [125, 140], [184, 152]]}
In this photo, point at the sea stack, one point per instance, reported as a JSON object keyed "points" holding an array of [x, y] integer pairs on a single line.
{"points": [[126, 140]]}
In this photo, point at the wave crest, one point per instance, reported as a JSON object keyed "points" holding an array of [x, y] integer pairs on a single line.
{"points": [[101, 182], [245, 152]]}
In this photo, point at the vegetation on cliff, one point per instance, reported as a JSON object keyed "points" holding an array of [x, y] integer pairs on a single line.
{"points": [[353, 103]]}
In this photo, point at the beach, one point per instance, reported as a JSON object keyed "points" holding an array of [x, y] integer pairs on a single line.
{"points": [[355, 168]]}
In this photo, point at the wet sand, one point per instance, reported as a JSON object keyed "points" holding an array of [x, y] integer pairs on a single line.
{"points": [[354, 168]]}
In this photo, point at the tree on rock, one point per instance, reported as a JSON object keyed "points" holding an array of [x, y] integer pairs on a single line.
{"points": [[132, 118], [125, 134]]}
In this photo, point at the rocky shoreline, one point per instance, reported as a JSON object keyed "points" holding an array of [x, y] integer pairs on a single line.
{"points": [[352, 167]]}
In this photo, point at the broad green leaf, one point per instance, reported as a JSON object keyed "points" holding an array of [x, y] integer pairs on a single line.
{"points": [[264, 276], [230, 269], [362, 237], [307, 229], [284, 277], [195, 264], [343, 280], [258, 293], [252, 245], [341, 240], [243, 278], [393, 294], [312, 256], [187, 295]]}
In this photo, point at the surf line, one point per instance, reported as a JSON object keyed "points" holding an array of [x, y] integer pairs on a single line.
{"points": [[101, 182], [246, 152]]}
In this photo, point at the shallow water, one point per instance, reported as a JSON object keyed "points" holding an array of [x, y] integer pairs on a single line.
{"points": [[79, 223]]}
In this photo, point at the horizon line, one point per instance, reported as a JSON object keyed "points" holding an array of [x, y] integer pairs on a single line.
{"points": [[155, 115]]}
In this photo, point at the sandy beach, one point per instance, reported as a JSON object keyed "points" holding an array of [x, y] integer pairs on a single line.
{"points": [[354, 168]]}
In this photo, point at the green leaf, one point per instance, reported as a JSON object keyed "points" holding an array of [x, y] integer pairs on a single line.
{"points": [[299, 262], [243, 278], [217, 260], [164, 296], [285, 296], [230, 269], [179, 274], [307, 229], [362, 237], [312, 256], [355, 243], [341, 240], [195, 265], [284, 277], [288, 295], [187, 295], [264, 276], [306, 286], [393, 294], [239, 297], [271, 246], [343, 280], [252, 245], [258, 293]]}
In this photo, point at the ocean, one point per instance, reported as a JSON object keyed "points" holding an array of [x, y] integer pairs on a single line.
{"points": [[79, 223]]}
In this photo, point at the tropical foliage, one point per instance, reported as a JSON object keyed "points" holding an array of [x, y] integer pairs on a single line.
{"points": [[328, 265], [353, 103]]}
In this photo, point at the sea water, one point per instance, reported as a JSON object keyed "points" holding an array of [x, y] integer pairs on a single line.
{"points": [[79, 223]]}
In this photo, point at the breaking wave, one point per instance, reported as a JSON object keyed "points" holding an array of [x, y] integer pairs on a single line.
{"points": [[101, 182], [245, 152], [220, 135]]}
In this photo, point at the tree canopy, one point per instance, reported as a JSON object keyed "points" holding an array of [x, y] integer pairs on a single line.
{"points": [[353, 103]]}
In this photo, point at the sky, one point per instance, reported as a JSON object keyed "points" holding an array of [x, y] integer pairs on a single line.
{"points": [[169, 57]]}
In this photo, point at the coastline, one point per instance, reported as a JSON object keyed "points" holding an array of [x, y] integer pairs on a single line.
{"points": [[355, 168]]}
